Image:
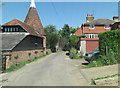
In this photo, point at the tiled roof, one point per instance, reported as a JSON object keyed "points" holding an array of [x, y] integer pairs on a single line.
{"points": [[78, 32], [10, 40], [33, 20], [100, 22], [25, 26]]}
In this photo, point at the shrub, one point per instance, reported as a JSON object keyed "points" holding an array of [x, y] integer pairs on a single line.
{"points": [[29, 54], [16, 57], [36, 52], [81, 55], [47, 52], [73, 53], [109, 46], [42, 51]]}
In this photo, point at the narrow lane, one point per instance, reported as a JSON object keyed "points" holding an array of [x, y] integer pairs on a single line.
{"points": [[53, 70]]}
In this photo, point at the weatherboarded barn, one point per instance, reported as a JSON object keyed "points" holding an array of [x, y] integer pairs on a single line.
{"points": [[23, 41], [17, 47]]}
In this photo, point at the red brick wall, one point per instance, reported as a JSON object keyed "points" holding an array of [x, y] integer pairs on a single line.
{"points": [[44, 43], [91, 45], [23, 56], [97, 29]]}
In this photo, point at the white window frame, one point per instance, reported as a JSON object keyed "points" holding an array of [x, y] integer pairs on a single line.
{"points": [[106, 26], [91, 35], [91, 27], [16, 29], [11, 29], [6, 29]]}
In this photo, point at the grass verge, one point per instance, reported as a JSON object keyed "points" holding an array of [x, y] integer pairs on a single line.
{"points": [[22, 63], [107, 77], [111, 76]]}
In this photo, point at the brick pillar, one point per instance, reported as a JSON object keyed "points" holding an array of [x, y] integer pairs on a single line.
{"points": [[44, 43]]}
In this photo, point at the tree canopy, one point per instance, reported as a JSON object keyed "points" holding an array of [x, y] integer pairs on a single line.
{"points": [[51, 37]]}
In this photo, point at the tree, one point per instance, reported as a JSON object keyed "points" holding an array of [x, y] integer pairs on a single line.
{"points": [[73, 29], [66, 31], [74, 41], [65, 35], [51, 37]]}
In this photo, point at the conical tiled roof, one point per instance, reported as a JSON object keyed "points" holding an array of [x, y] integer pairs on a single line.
{"points": [[33, 20]]}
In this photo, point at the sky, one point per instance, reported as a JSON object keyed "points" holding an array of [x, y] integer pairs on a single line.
{"points": [[60, 13]]}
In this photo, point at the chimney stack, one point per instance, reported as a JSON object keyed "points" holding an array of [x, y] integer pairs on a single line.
{"points": [[89, 18], [116, 18]]}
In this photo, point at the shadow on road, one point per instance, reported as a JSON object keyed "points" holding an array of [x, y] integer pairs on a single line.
{"points": [[67, 54], [85, 63]]}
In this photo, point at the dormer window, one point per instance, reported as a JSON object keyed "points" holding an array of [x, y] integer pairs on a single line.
{"points": [[106, 26], [91, 26], [8, 30], [5, 29], [16, 28], [11, 29]]}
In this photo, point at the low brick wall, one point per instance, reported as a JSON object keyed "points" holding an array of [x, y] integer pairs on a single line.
{"points": [[22, 56]]}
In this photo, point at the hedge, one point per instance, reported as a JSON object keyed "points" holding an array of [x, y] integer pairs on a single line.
{"points": [[109, 43]]}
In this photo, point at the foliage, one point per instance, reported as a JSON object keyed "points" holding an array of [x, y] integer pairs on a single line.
{"points": [[74, 41], [73, 53], [65, 35], [82, 36], [109, 46], [16, 57], [51, 37], [81, 55], [73, 29], [29, 54], [36, 52], [66, 31]]}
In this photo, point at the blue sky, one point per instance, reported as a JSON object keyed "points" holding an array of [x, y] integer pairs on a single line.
{"points": [[60, 13]]}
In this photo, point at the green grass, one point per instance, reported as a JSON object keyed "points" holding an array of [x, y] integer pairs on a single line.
{"points": [[95, 63], [22, 63], [107, 77], [111, 76], [60, 51]]}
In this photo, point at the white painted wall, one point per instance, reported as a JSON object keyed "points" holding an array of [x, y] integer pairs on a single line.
{"points": [[83, 46]]}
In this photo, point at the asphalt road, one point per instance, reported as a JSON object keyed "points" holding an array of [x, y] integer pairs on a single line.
{"points": [[53, 70]]}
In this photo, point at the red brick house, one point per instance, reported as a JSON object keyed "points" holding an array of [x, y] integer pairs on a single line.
{"points": [[91, 30], [20, 39], [116, 25]]}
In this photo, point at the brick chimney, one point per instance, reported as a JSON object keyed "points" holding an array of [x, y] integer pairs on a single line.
{"points": [[89, 17], [116, 18]]}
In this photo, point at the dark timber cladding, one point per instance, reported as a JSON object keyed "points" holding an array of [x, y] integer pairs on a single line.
{"points": [[33, 19]]}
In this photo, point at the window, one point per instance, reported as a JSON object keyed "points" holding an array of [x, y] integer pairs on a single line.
{"points": [[106, 26], [11, 29], [91, 35], [8, 30], [5, 29], [91, 26], [16, 28]]}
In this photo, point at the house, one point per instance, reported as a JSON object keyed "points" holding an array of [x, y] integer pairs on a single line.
{"points": [[91, 30], [20, 40], [78, 32], [116, 25]]}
